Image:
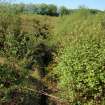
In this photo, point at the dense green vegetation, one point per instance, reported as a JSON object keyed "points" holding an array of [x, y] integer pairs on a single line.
{"points": [[49, 60], [80, 68], [24, 42]]}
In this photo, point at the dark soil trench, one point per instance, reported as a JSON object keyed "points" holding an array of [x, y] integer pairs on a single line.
{"points": [[44, 58]]}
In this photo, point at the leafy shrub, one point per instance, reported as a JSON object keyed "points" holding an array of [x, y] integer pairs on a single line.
{"points": [[41, 29]]}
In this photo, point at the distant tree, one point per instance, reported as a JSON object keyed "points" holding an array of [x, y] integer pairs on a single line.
{"points": [[28, 8], [64, 11], [94, 11], [52, 10], [83, 11], [43, 9], [36, 8], [19, 8]]}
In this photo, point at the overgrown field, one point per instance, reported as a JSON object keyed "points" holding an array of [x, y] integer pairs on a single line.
{"points": [[48, 60]]}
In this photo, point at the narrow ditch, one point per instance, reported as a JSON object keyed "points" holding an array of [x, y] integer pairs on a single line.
{"points": [[44, 57]]}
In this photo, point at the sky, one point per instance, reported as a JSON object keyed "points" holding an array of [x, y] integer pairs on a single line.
{"points": [[95, 4]]}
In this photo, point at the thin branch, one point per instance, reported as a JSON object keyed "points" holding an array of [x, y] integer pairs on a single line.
{"points": [[49, 95]]}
